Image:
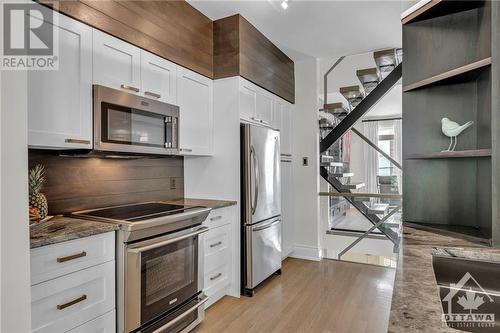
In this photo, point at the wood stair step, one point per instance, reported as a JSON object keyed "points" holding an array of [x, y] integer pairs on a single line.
{"points": [[386, 61], [378, 208], [332, 164], [369, 78], [335, 108], [353, 94], [353, 186], [342, 174]]}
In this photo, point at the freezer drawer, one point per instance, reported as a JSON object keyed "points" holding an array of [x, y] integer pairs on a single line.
{"points": [[264, 250]]}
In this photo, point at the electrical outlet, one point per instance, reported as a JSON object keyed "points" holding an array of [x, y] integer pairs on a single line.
{"points": [[305, 161]]}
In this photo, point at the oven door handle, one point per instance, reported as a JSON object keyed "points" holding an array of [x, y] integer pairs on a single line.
{"points": [[168, 241], [201, 300]]}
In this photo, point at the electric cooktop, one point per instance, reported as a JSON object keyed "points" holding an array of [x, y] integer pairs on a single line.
{"points": [[136, 212]]}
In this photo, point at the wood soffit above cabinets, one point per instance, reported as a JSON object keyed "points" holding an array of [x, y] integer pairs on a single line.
{"points": [[240, 49], [178, 32]]}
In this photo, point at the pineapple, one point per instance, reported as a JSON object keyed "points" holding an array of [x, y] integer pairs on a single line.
{"points": [[36, 179]]}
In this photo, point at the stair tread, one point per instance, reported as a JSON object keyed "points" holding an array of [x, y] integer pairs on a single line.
{"points": [[342, 174], [353, 186], [378, 208]]}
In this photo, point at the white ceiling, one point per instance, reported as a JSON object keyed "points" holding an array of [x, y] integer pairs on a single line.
{"points": [[318, 28]]}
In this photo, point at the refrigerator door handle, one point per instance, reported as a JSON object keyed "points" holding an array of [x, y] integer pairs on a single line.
{"points": [[266, 226], [256, 178]]}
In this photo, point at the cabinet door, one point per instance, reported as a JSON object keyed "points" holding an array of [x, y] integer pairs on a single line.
{"points": [[277, 115], [248, 99], [287, 207], [117, 64], [194, 97], [286, 130], [264, 109], [60, 101], [158, 78]]}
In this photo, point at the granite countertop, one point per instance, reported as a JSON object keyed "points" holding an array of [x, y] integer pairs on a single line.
{"points": [[416, 306], [62, 228], [214, 204]]}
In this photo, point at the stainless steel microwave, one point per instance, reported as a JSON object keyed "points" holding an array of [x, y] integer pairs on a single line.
{"points": [[127, 123]]}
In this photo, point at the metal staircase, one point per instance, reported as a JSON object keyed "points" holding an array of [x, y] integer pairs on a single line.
{"points": [[336, 121]]}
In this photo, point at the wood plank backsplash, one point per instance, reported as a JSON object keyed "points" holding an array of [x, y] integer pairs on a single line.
{"points": [[77, 183]]}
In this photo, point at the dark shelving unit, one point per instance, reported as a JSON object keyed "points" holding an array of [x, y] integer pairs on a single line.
{"points": [[450, 70]]}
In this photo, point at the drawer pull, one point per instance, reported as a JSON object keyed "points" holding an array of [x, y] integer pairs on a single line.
{"points": [[216, 276], [215, 218], [186, 150], [72, 257], [216, 244], [73, 302], [152, 94], [126, 86], [84, 142]]}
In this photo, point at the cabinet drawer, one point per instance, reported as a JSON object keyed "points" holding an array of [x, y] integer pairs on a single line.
{"points": [[103, 324], [219, 217], [217, 240], [217, 269], [49, 262], [64, 303]]}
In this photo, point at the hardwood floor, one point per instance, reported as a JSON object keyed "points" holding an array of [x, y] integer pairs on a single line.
{"points": [[323, 297]]}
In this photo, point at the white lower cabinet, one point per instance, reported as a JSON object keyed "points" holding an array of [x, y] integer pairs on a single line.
{"points": [[78, 288], [103, 324], [287, 229], [217, 252]]}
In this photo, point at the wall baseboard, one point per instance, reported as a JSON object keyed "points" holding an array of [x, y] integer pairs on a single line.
{"points": [[306, 252]]}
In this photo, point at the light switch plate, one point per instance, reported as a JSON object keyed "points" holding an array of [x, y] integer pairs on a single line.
{"points": [[305, 161]]}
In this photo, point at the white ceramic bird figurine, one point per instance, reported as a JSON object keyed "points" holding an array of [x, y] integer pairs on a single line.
{"points": [[451, 129]]}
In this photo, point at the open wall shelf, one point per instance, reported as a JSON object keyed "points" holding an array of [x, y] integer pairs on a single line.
{"points": [[435, 8], [450, 70], [452, 154], [457, 75]]}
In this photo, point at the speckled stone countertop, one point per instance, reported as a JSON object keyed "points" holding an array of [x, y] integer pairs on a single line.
{"points": [[61, 228], [214, 204], [416, 306]]}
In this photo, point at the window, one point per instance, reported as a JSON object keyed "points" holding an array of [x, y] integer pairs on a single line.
{"points": [[386, 143]]}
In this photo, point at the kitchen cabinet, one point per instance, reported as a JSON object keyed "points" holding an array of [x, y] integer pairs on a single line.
{"points": [[158, 78], [73, 285], [287, 130], [60, 101], [195, 99], [217, 252], [117, 64], [256, 104], [287, 208]]}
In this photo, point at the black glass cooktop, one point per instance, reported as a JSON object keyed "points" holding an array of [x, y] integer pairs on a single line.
{"points": [[138, 212]]}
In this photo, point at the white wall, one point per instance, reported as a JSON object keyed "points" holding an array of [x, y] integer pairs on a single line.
{"points": [[306, 178], [14, 225]]}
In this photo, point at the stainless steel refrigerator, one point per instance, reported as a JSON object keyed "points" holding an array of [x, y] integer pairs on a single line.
{"points": [[261, 205]]}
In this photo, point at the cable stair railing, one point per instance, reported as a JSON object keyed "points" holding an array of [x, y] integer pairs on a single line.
{"points": [[338, 120]]}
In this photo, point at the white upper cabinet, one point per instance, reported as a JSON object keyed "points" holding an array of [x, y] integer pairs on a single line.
{"points": [[195, 99], [248, 99], [158, 78], [117, 64], [287, 130], [60, 101], [264, 110], [277, 114]]}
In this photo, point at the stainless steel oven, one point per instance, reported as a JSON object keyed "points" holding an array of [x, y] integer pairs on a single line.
{"points": [[129, 123], [159, 258], [160, 274]]}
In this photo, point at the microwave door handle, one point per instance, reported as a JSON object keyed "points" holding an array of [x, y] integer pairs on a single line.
{"points": [[201, 301], [169, 241]]}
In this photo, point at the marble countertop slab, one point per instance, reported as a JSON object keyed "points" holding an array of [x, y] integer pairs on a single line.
{"points": [[214, 204], [62, 228], [416, 306]]}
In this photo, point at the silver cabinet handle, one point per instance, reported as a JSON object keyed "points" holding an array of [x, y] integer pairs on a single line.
{"points": [[264, 122], [215, 218], [78, 141], [73, 302], [72, 257], [128, 87], [152, 94], [216, 276], [169, 241], [201, 301], [216, 244], [186, 150]]}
